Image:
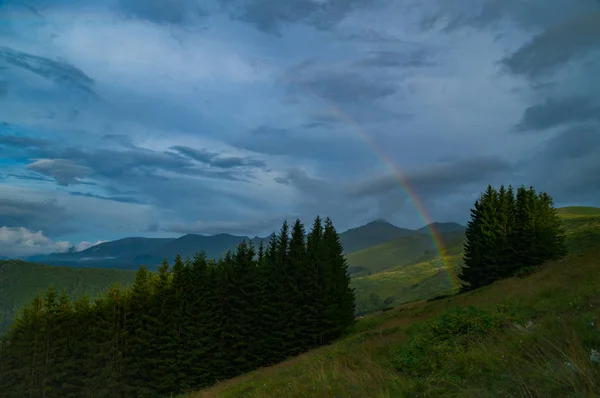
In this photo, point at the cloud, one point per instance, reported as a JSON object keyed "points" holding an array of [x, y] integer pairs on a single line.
{"points": [[340, 85], [242, 227], [567, 166], [216, 160], [171, 11], [41, 214], [436, 179], [368, 35], [22, 141], [3, 87], [556, 112], [270, 15], [19, 241], [556, 46], [530, 15], [204, 122], [573, 143], [397, 59], [81, 246], [63, 170], [58, 72], [122, 199]]}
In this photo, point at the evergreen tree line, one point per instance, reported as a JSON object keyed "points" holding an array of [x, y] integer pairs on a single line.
{"points": [[508, 234], [187, 326]]}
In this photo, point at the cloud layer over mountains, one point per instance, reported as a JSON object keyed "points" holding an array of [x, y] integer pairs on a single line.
{"points": [[159, 118]]}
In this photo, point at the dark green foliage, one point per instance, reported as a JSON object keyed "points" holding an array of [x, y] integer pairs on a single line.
{"points": [[433, 344], [508, 234], [184, 327]]}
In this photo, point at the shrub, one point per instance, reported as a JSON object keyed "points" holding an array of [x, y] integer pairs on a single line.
{"points": [[433, 345]]}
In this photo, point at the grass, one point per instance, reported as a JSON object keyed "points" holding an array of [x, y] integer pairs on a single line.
{"points": [[398, 252], [527, 337], [21, 281], [401, 271]]}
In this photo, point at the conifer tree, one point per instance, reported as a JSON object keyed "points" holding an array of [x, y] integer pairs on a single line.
{"points": [[243, 316], [506, 234], [271, 332], [340, 296], [181, 326], [137, 335], [297, 284], [62, 355], [316, 315], [205, 321]]}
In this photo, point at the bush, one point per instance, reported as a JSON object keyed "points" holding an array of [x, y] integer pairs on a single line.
{"points": [[434, 345], [525, 271]]}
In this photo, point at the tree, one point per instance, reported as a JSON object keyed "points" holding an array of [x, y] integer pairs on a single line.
{"points": [[506, 234], [296, 283], [340, 297], [139, 324]]}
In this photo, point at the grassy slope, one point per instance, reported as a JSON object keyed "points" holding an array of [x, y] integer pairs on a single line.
{"points": [[20, 281], [404, 269], [399, 252], [403, 272], [549, 359]]}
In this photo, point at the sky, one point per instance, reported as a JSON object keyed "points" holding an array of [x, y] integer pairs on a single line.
{"points": [[165, 117]]}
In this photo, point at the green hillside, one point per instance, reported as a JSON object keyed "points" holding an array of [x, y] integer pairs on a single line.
{"points": [[401, 251], [404, 269], [537, 336], [402, 272], [20, 281]]}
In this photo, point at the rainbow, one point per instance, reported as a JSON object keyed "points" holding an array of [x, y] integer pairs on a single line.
{"points": [[404, 183]]}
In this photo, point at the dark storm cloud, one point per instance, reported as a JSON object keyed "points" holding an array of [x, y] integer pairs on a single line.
{"points": [[568, 166], [574, 143], [397, 59], [45, 216], [60, 73], [167, 11], [437, 179], [269, 15], [555, 112], [217, 160], [556, 46]]}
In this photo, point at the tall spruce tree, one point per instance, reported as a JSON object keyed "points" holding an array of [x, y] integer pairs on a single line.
{"points": [[296, 275], [340, 297], [271, 332], [138, 337], [315, 286]]}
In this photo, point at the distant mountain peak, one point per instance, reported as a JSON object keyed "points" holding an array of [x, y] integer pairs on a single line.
{"points": [[380, 221]]}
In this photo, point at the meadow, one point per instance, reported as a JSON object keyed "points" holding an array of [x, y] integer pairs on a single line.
{"points": [[532, 336]]}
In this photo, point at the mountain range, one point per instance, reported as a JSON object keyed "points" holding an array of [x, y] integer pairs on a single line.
{"points": [[130, 253]]}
